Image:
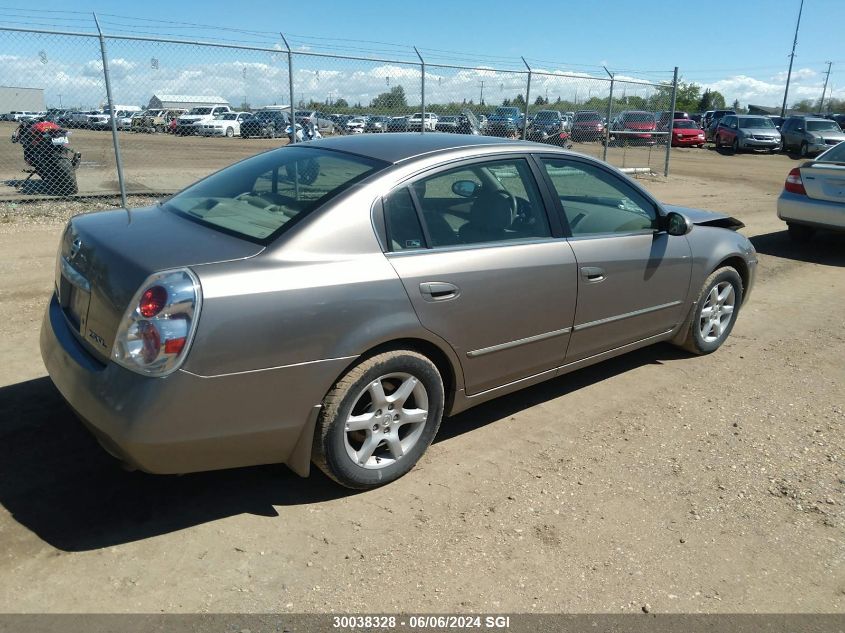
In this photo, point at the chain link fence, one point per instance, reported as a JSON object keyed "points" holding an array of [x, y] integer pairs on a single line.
{"points": [[95, 114]]}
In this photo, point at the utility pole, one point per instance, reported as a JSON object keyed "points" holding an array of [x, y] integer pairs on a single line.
{"points": [[791, 59], [481, 98], [826, 77]]}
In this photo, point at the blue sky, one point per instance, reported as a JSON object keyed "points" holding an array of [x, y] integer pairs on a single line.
{"points": [[740, 48]]}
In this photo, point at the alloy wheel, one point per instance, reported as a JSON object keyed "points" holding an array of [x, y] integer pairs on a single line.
{"points": [[718, 311]]}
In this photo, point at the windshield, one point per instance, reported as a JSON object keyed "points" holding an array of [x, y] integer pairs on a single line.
{"points": [[200, 111], [507, 111], [448, 119], [305, 113], [260, 197], [269, 116], [228, 116], [822, 126], [835, 154], [587, 116], [638, 117], [547, 115], [755, 122], [684, 124]]}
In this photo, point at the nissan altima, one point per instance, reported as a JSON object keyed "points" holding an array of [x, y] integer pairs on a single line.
{"points": [[330, 302]]}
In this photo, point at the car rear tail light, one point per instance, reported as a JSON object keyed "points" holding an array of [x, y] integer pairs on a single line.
{"points": [[793, 183], [156, 331]]}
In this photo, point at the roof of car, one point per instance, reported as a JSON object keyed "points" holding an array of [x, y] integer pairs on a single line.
{"points": [[394, 148]]}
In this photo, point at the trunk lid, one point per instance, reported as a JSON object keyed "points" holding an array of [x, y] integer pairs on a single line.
{"points": [[824, 181], [105, 257]]}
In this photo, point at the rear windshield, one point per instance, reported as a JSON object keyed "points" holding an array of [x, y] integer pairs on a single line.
{"points": [[822, 126], [587, 116], [755, 122], [260, 197], [507, 111], [200, 111], [835, 154]]}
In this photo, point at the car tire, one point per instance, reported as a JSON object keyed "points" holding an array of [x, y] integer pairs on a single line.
{"points": [[230, 132], [722, 289], [800, 233], [365, 397], [804, 150], [271, 133], [735, 146]]}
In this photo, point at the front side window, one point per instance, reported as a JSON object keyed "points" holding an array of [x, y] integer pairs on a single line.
{"points": [[482, 202], [598, 202], [261, 196]]}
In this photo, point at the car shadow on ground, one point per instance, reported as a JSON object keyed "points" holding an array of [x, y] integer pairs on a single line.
{"points": [[56, 481], [825, 247], [32, 187]]}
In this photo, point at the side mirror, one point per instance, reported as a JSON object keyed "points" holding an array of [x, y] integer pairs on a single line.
{"points": [[464, 188], [677, 224]]}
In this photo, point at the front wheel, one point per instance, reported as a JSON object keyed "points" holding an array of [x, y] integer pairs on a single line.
{"points": [[714, 313], [230, 132], [379, 419], [735, 146], [804, 151]]}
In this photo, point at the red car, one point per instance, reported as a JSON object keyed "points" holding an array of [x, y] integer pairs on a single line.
{"points": [[686, 133], [634, 126]]}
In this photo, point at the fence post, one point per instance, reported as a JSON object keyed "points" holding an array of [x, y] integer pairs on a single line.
{"points": [[527, 102], [609, 114], [112, 115], [422, 90], [670, 128], [290, 88]]}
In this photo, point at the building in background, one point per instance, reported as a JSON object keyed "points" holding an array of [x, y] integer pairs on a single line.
{"points": [[21, 99], [185, 102]]}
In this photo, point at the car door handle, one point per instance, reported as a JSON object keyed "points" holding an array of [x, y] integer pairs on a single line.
{"points": [[592, 274], [438, 290]]}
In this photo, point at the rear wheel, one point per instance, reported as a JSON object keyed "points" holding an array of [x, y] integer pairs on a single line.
{"points": [[379, 419], [714, 313], [804, 150], [800, 232], [735, 146], [61, 179]]}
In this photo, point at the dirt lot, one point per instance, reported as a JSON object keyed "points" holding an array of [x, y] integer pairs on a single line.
{"points": [[710, 484]]}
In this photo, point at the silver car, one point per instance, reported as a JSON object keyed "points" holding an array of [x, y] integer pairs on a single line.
{"points": [[810, 135], [332, 301], [814, 195]]}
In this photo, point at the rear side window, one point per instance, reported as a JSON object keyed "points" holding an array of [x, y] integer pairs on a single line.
{"points": [[401, 221]]}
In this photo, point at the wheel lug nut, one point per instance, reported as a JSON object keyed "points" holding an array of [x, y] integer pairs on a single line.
{"points": [[378, 412], [375, 427], [390, 407], [395, 417]]}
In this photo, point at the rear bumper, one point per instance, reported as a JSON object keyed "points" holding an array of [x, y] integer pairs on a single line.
{"points": [[186, 423], [799, 209]]}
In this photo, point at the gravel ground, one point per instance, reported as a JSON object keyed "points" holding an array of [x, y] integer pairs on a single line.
{"points": [[655, 481]]}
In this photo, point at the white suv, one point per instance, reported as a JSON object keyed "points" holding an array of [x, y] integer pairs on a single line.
{"points": [[415, 123]]}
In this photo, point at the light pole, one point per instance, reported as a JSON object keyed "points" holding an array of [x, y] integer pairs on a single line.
{"points": [[826, 77]]}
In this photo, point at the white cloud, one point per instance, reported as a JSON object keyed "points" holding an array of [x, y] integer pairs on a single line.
{"points": [[798, 75]]}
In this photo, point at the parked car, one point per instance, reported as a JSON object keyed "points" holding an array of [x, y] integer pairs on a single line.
{"points": [[705, 119], [634, 127], [226, 124], [324, 123], [398, 124], [463, 123], [225, 326], [103, 121], [265, 124], [83, 118], [777, 120], [840, 120], [710, 129], [356, 125], [416, 123], [587, 125], [156, 120], [19, 115], [377, 123], [186, 124], [814, 195], [662, 118], [686, 133], [546, 123], [810, 135], [747, 132], [504, 121]]}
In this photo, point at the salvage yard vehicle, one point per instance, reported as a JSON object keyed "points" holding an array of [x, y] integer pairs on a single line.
{"points": [[265, 124], [187, 124], [810, 135], [813, 196], [634, 127], [226, 124], [686, 133], [587, 125], [742, 132], [156, 120], [331, 301]]}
